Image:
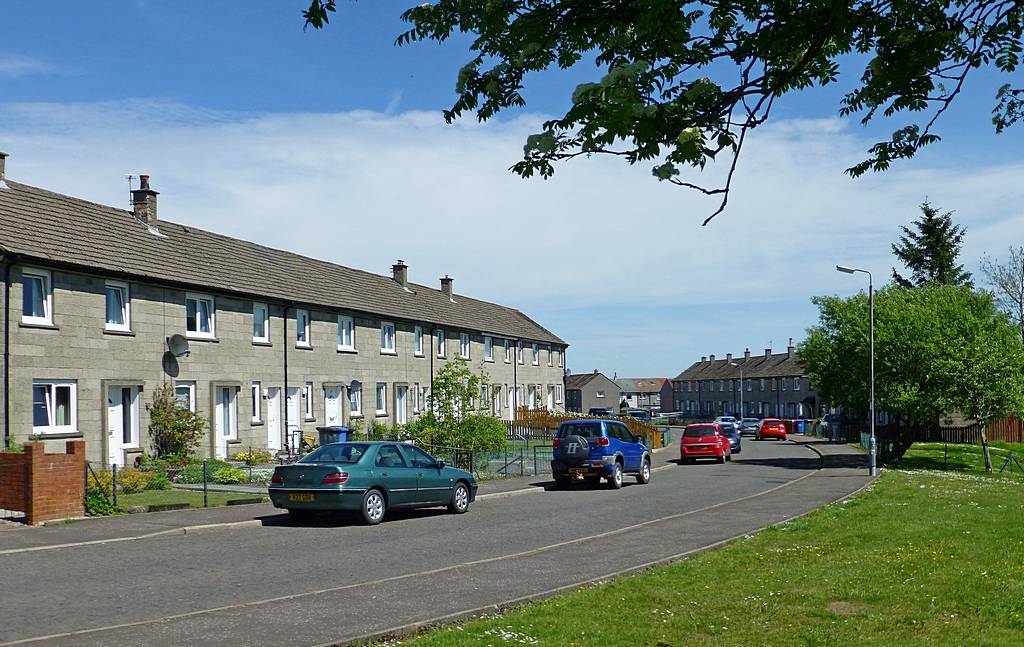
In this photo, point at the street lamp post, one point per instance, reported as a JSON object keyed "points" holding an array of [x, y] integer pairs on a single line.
{"points": [[740, 366], [871, 324]]}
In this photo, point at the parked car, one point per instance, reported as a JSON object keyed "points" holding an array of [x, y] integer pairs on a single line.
{"points": [[721, 419], [371, 477], [732, 433], [749, 426], [596, 449], [704, 440], [771, 428], [639, 414], [600, 411]]}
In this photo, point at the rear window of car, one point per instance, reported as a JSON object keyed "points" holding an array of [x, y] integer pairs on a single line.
{"points": [[772, 421], [585, 429], [698, 432], [336, 453], [727, 427]]}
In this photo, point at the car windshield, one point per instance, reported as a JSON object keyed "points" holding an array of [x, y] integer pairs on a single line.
{"points": [[585, 429], [336, 453], [698, 432], [751, 420], [727, 428]]}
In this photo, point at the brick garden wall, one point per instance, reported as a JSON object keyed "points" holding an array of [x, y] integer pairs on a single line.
{"points": [[44, 486]]}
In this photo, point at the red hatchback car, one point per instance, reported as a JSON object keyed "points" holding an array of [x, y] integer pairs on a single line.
{"points": [[704, 441], [770, 428]]}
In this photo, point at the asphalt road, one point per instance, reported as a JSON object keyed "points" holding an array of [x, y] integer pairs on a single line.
{"points": [[333, 580]]}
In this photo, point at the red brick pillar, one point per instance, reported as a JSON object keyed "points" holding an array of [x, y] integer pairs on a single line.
{"points": [[56, 489]]}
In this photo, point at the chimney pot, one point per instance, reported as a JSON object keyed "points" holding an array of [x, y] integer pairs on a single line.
{"points": [[703, 358], [3, 164], [446, 286], [595, 371], [400, 272], [144, 201], [746, 354], [767, 353], [728, 357], [712, 357], [790, 349]]}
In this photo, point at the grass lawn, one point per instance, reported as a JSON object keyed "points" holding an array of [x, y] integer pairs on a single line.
{"points": [[162, 497], [967, 459], [921, 558]]}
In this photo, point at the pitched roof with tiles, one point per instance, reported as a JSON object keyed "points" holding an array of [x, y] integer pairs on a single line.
{"points": [[641, 384], [758, 366], [47, 227], [580, 380]]}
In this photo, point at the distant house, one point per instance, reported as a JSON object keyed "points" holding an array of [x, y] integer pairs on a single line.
{"points": [[586, 391], [774, 385], [647, 392]]}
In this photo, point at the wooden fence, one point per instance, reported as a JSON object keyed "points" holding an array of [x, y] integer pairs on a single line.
{"points": [[539, 424], [1009, 429]]}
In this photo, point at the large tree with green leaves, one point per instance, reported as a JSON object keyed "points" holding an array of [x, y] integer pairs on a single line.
{"points": [[930, 250], [681, 84], [939, 349]]}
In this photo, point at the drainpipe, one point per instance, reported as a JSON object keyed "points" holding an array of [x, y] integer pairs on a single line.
{"points": [[284, 333], [8, 261]]}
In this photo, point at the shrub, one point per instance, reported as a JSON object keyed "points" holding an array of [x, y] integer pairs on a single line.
{"points": [[159, 481], [481, 433], [254, 456], [230, 476], [99, 482], [97, 504], [193, 472], [173, 429], [131, 480]]}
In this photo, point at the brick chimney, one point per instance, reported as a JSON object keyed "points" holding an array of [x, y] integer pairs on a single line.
{"points": [[767, 353], [703, 358], [746, 355], [3, 163], [711, 358], [400, 272], [728, 357], [144, 201], [446, 286], [789, 349]]}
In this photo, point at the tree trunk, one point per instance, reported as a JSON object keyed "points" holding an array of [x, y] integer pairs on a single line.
{"points": [[984, 449]]}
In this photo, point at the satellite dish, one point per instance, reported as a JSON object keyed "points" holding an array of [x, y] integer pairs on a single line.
{"points": [[178, 345]]}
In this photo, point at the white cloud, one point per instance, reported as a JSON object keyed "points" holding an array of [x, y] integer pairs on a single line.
{"points": [[18, 66], [365, 188]]}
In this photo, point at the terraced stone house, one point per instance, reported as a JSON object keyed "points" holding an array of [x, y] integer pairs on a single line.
{"points": [[278, 343], [774, 385]]}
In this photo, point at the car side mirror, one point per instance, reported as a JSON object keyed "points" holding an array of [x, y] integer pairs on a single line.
{"points": [[439, 464]]}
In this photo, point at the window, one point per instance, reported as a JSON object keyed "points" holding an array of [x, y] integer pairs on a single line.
{"points": [[355, 399], [185, 395], [307, 395], [36, 298], [558, 393], [54, 407], [302, 332], [783, 384], [519, 352], [508, 352], [118, 307], [346, 333], [483, 394], [416, 394], [260, 323], [531, 394], [382, 398], [796, 383], [387, 337], [561, 359], [464, 345], [762, 384], [775, 384], [549, 356], [488, 349], [535, 356], [257, 401], [599, 394], [750, 385], [418, 341], [721, 386], [440, 343], [199, 316]]}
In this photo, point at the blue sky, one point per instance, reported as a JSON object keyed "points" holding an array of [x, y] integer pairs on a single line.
{"points": [[246, 122]]}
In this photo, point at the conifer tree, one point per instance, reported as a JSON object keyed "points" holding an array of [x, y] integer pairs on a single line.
{"points": [[930, 250]]}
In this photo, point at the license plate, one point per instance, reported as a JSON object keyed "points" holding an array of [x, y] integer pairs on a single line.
{"points": [[577, 470], [302, 497]]}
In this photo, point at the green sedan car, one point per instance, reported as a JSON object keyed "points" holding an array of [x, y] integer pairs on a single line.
{"points": [[371, 477]]}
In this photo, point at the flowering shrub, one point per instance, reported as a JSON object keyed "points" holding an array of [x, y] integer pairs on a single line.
{"points": [[230, 476], [254, 456]]}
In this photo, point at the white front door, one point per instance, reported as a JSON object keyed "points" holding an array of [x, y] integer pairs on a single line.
{"points": [[401, 399], [226, 421], [294, 429], [273, 418], [551, 398], [332, 405], [122, 421]]}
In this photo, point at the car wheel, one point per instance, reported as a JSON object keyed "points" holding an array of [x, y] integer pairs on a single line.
{"points": [[374, 507], [729, 457], [644, 476], [298, 516], [721, 459], [460, 499], [616, 478]]}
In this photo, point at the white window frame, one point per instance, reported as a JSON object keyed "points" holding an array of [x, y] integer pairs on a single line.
{"points": [[465, 347], [508, 352], [441, 342], [599, 394], [46, 278], [558, 394], [261, 311], [51, 398], [381, 398], [488, 348], [417, 341], [256, 391], [126, 306], [561, 358], [212, 309], [387, 338], [796, 383], [303, 324], [355, 399], [519, 352], [416, 397], [549, 356], [535, 354], [307, 395], [346, 333], [191, 386]]}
